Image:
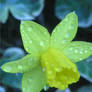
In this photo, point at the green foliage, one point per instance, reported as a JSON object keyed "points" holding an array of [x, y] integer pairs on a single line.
{"points": [[10, 54], [83, 8], [87, 88], [41, 49], [85, 68], [20, 9]]}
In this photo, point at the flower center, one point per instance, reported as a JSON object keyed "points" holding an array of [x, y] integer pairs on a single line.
{"points": [[60, 71]]}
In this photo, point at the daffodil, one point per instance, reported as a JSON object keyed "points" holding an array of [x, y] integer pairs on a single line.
{"points": [[51, 59]]}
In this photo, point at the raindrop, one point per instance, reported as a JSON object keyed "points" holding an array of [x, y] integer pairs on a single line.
{"points": [[30, 29], [19, 67], [30, 41], [76, 51], [67, 35], [64, 41], [42, 43]]}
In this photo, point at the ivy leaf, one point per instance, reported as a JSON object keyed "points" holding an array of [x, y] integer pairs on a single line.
{"points": [[13, 80], [85, 68], [20, 9], [26, 10], [83, 9], [3, 11], [34, 80], [87, 88]]}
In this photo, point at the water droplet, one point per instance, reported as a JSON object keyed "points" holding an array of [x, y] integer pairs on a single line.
{"points": [[80, 59], [81, 52], [71, 49], [44, 69], [85, 51], [57, 69], [29, 80], [16, 74], [67, 35], [76, 51], [64, 41], [50, 72], [66, 19], [19, 67], [30, 41], [71, 27], [30, 29], [42, 43], [8, 68]]}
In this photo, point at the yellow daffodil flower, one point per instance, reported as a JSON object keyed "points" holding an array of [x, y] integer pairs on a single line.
{"points": [[51, 59]]}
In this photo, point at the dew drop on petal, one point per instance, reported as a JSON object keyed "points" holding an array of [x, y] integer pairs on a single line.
{"points": [[30, 41], [30, 29], [81, 52], [50, 72], [76, 51], [67, 35], [41, 43], [64, 41], [19, 67]]}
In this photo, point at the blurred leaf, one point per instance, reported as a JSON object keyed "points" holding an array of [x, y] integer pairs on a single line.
{"points": [[87, 88], [85, 68], [2, 89], [83, 8], [13, 80], [21, 9], [3, 11]]}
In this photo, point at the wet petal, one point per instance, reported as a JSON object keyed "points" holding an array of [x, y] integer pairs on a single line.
{"points": [[34, 80], [21, 65], [65, 31], [35, 37], [78, 50]]}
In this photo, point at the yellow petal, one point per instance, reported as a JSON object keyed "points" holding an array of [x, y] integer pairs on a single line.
{"points": [[60, 71]]}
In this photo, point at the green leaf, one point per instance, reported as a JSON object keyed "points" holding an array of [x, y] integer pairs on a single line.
{"points": [[26, 10], [87, 88], [21, 65], [34, 80], [64, 32], [12, 80], [35, 37], [20, 9], [83, 9], [85, 68], [3, 11], [78, 50]]}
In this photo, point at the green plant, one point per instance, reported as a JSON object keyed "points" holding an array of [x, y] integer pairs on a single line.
{"points": [[51, 60]]}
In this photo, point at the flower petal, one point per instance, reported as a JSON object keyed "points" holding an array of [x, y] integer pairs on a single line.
{"points": [[65, 31], [22, 65], [78, 50], [60, 72], [34, 80], [35, 37]]}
